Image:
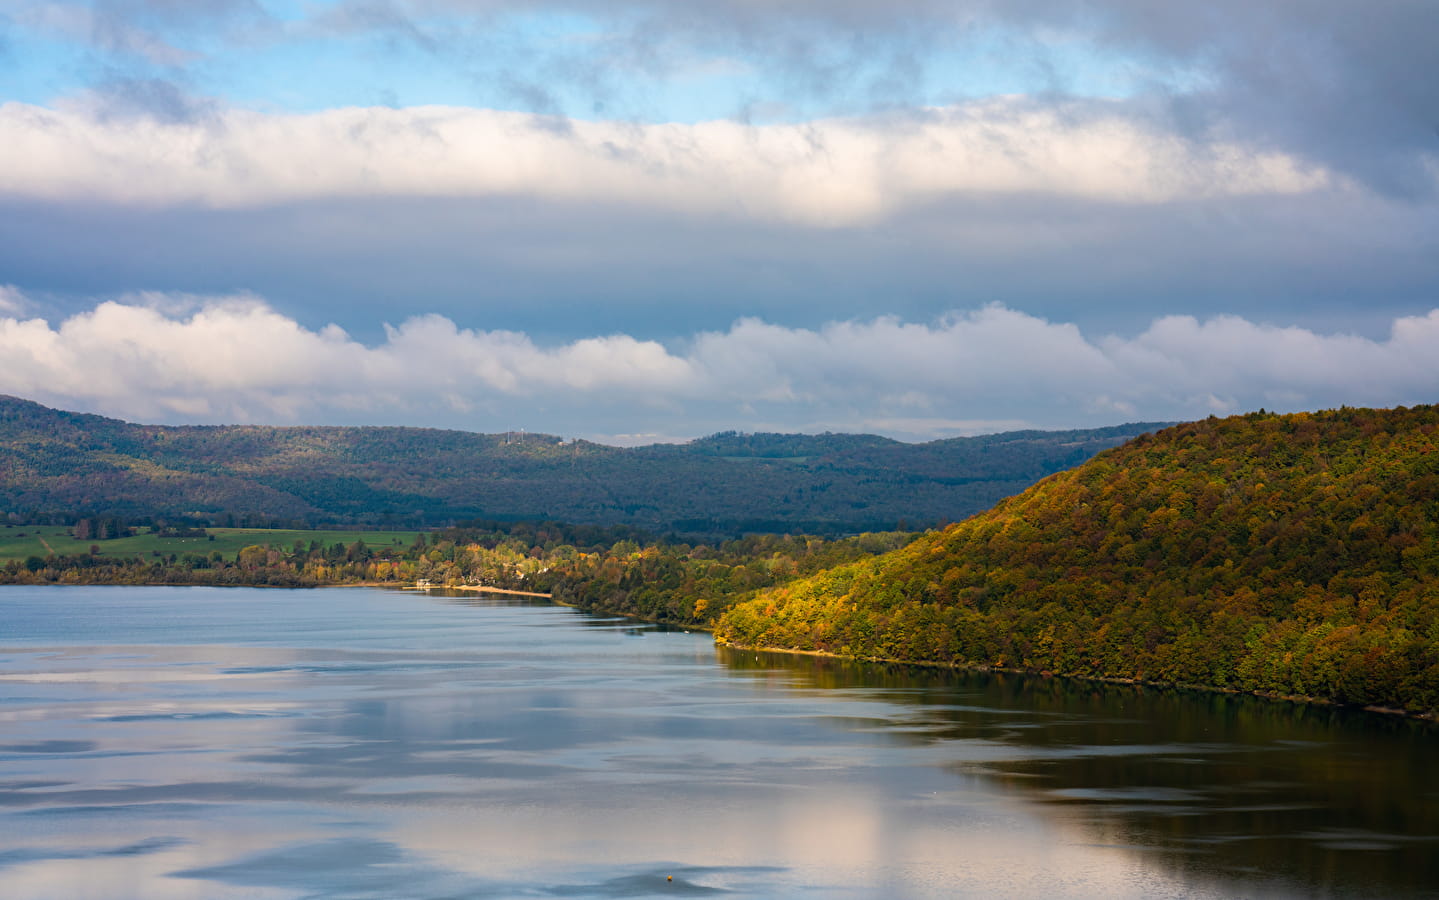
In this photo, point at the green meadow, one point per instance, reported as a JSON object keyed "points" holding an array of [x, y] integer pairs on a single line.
{"points": [[21, 541]]}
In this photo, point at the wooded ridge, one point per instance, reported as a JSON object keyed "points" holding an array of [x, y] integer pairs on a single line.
{"points": [[1281, 554], [55, 463]]}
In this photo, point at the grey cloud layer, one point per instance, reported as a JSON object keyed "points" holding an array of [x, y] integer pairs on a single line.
{"points": [[236, 359], [560, 271]]}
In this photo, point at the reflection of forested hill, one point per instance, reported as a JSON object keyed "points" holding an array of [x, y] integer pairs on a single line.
{"points": [[54, 461], [1292, 554]]}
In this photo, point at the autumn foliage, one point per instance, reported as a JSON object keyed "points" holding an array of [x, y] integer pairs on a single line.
{"points": [[1281, 554]]}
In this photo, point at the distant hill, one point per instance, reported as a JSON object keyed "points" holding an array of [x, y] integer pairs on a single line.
{"points": [[1283, 554], [55, 462]]}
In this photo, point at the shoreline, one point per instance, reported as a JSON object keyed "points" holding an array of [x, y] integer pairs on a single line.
{"points": [[1391, 712], [1132, 682], [478, 588]]}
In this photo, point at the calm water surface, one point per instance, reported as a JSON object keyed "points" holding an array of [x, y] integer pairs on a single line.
{"points": [[213, 743]]}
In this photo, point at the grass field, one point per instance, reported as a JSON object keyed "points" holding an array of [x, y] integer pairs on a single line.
{"points": [[21, 541]]}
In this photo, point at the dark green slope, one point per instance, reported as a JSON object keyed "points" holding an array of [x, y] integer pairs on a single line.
{"points": [[1294, 555], [56, 462]]}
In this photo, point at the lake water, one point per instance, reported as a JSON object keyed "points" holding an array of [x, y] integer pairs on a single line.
{"points": [[356, 743]]}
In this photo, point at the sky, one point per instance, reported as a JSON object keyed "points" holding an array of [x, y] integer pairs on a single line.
{"points": [[644, 220]]}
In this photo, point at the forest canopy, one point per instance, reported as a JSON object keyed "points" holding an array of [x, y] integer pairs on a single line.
{"points": [[1282, 554]]}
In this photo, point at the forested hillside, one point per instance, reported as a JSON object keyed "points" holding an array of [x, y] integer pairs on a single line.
{"points": [[1283, 554], [57, 464]]}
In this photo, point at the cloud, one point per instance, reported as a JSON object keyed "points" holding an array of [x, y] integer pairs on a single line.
{"points": [[124, 100], [832, 172], [220, 359], [1259, 156], [123, 31], [12, 301], [136, 28], [236, 357], [1330, 261], [1320, 81], [1339, 88], [1099, 164]]}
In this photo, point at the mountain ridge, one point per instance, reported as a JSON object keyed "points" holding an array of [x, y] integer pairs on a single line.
{"points": [[57, 462]]}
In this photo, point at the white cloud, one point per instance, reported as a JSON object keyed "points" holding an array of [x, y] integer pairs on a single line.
{"points": [[12, 302], [180, 358], [828, 172]]}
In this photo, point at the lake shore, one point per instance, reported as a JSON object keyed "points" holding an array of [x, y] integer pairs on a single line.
{"points": [[479, 589], [1132, 682]]}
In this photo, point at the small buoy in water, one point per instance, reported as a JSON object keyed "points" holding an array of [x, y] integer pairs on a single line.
{"points": [[669, 878]]}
